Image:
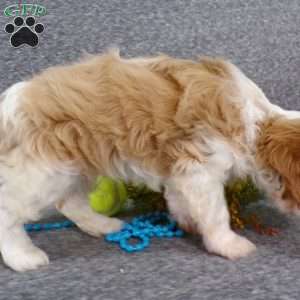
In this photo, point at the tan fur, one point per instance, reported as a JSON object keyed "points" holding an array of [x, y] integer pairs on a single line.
{"points": [[208, 94], [279, 149], [106, 108]]}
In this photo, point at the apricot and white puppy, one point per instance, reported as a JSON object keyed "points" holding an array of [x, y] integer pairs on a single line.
{"points": [[182, 127]]}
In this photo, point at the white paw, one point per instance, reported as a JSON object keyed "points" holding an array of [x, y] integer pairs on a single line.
{"points": [[230, 245], [24, 259], [100, 225]]}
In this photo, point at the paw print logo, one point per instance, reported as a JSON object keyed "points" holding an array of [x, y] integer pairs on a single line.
{"points": [[24, 32]]}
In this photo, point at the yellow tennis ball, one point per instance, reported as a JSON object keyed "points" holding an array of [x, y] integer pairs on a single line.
{"points": [[108, 197]]}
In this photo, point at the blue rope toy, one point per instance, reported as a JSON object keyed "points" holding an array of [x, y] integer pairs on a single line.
{"points": [[48, 226], [142, 228]]}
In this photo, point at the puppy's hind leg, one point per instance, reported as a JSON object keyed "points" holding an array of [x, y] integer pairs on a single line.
{"points": [[76, 208], [198, 200]]}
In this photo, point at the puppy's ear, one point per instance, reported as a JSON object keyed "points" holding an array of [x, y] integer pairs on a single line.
{"points": [[279, 149]]}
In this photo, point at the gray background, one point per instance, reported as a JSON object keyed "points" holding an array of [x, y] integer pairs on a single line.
{"points": [[262, 38]]}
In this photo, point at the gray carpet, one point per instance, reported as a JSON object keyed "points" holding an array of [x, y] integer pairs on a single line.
{"points": [[262, 37]]}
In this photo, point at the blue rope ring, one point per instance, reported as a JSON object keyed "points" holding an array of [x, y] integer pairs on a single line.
{"points": [[129, 247], [143, 228]]}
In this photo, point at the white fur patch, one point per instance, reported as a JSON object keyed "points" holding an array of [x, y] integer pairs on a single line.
{"points": [[11, 101], [256, 107], [197, 198]]}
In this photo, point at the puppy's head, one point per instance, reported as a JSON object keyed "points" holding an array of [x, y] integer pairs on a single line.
{"points": [[279, 150]]}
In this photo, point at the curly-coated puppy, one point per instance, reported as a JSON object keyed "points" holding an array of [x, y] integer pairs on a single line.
{"points": [[179, 126]]}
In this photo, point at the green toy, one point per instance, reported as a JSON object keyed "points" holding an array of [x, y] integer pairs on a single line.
{"points": [[108, 196]]}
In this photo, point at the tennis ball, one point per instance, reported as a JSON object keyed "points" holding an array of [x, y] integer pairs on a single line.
{"points": [[108, 197]]}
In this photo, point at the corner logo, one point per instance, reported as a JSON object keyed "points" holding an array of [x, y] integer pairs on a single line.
{"points": [[24, 30]]}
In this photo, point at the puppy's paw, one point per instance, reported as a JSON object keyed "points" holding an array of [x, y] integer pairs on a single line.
{"points": [[24, 259], [230, 245], [100, 225]]}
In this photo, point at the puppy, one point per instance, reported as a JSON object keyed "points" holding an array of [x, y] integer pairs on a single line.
{"points": [[182, 127]]}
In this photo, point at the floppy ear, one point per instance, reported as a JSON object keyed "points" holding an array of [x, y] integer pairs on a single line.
{"points": [[279, 149]]}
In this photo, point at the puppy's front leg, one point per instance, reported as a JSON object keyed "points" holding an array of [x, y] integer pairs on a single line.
{"points": [[197, 200], [76, 208], [17, 249]]}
